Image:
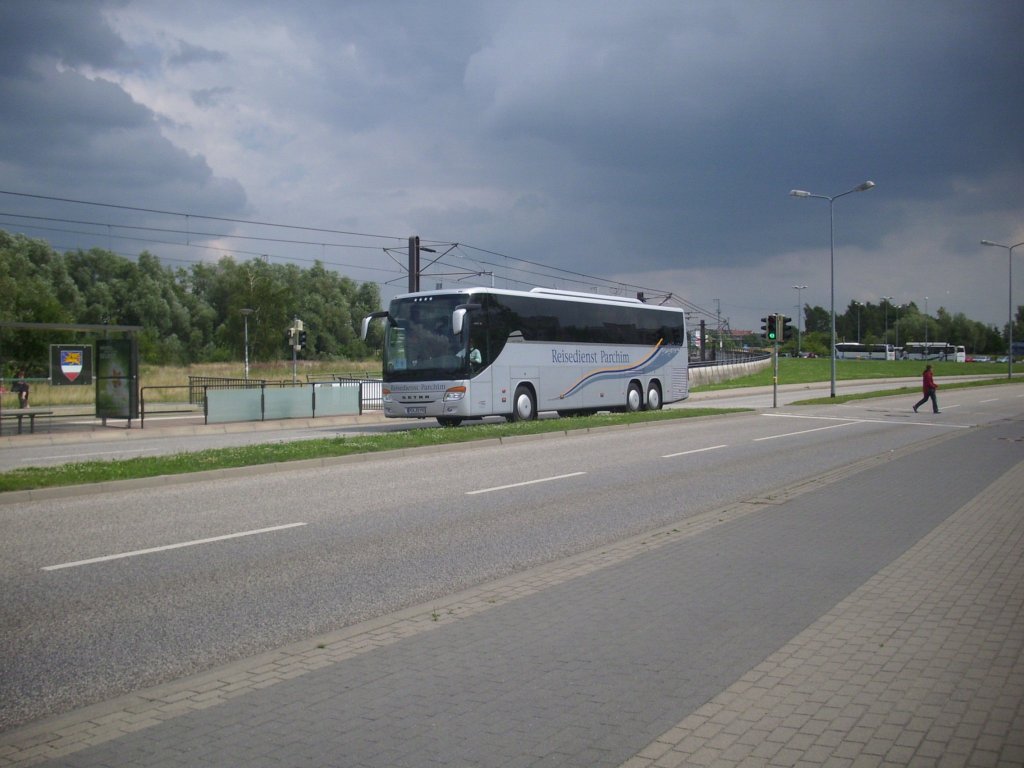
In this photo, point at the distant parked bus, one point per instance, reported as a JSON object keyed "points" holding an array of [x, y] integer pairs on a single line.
{"points": [[473, 352], [852, 350], [934, 350]]}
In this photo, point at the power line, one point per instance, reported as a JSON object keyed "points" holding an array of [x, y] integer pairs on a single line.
{"points": [[196, 215], [551, 273]]}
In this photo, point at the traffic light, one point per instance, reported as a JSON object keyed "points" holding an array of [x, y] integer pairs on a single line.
{"points": [[773, 328], [302, 339], [787, 329], [764, 327]]}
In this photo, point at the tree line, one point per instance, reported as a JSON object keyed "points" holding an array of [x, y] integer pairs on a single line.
{"points": [[897, 324], [188, 315], [887, 323], [194, 315]]}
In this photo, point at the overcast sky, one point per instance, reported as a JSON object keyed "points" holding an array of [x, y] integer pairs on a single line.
{"points": [[649, 142]]}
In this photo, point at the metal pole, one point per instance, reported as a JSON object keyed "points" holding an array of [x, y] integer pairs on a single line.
{"points": [[885, 336], [799, 313], [295, 349], [832, 281], [246, 320], [414, 264], [926, 324], [832, 260], [1009, 318], [246, 311], [775, 371]]}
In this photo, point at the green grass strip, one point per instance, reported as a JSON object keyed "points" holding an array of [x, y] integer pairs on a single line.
{"points": [[87, 472], [909, 391]]}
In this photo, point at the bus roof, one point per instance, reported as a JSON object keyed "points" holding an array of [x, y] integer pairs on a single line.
{"points": [[542, 292]]}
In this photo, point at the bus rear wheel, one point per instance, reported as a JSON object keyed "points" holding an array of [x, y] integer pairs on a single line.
{"points": [[653, 397], [634, 398], [524, 407]]}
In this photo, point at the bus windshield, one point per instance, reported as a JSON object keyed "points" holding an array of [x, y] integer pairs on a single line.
{"points": [[419, 343]]}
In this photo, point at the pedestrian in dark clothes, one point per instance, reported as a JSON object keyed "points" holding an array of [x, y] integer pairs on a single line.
{"points": [[21, 387], [929, 386]]}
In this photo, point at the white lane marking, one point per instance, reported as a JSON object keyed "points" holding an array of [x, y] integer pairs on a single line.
{"points": [[528, 482], [991, 400], [826, 418], [805, 431], [696, 450], [864, 421], [166, 547]]}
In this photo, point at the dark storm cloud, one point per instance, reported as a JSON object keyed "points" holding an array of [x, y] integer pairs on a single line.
{"points": [[651, 140], [73, 33], [694, 120], [76, 135]]}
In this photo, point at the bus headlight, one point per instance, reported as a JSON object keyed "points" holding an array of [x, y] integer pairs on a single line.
{"points": [[385, 395], [454, 393]]}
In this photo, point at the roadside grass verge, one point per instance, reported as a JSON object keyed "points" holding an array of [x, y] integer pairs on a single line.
{"points": [[793, 370], [88, 472], [909, 391]]}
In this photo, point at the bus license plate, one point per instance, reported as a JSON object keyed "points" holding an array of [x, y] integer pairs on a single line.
{"points": [[416, 410]]}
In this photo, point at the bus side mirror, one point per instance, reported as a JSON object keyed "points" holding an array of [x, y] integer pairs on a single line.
{"points": [[459, 317], [368, 319]]}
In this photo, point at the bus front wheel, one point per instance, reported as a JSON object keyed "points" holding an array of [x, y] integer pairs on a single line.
{"points": [[524, 407], [449, 421]]}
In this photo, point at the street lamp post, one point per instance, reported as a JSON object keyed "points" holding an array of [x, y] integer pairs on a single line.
{"points": [[926, 323], [799, 312], [832, 259], [1009, 327], [885, 334], [246, 311], [858, 305]]}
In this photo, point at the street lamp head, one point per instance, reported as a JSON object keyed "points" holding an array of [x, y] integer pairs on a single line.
{"points": [[989, 242], [799, 193], [864, 187]]}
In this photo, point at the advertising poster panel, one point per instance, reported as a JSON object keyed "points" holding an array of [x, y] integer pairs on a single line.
{"points": [[70, 364], [117, 378]]}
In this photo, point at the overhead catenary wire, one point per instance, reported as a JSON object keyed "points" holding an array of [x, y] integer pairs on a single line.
{"points": [[534, 271]]}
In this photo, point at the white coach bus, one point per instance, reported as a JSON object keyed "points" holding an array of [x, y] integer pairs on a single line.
{"points": [[934, 350], [473, 352], [851, 350]]}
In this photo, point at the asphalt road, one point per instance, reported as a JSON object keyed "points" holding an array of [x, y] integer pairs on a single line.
{"points": [[166, 435], [106, 593]]}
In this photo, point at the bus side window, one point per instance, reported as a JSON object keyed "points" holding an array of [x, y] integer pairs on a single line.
{"points": [[478, 351]]}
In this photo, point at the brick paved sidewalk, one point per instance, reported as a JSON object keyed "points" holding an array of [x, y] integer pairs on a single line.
{"points": [[923, 665]]}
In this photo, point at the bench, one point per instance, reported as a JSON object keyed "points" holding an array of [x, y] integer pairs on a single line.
{"points": [[21, 413]]}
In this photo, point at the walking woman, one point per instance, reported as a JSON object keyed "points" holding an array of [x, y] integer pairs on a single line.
{"points": [[929, 386], [21, 387]]}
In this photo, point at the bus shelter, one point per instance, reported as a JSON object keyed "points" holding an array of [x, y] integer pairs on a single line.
{"points": [[112, 364]]}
